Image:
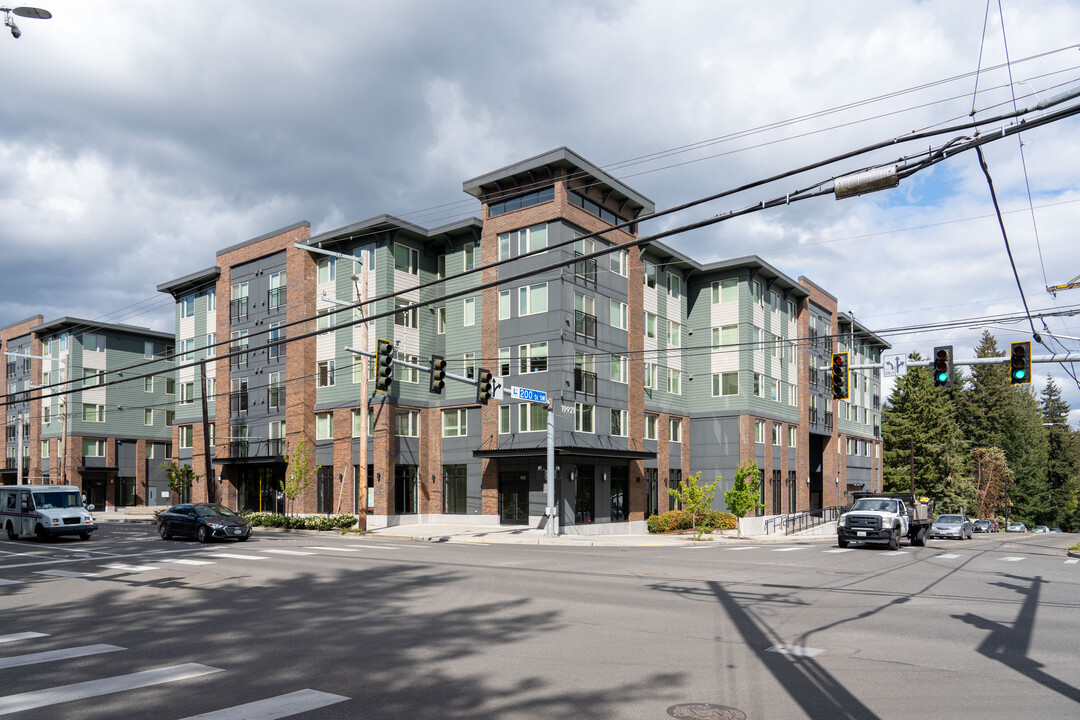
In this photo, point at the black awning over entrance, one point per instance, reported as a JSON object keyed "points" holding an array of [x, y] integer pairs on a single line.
{"points": [[250, 461], [567, 450]]}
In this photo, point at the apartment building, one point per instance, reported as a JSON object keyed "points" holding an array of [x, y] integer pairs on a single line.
{"points": [[81, 422], [658, 365]]}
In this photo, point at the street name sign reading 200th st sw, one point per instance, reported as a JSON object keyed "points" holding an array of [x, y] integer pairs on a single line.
{"points": [[528, 395]]}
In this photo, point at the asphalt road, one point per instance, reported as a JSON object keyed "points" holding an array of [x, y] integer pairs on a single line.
{"points": [[313, 626]]}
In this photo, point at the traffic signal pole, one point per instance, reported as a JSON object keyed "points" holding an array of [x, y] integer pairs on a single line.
{"points": [[1004, 360]]}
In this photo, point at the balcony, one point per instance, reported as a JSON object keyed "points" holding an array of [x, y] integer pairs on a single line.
{"points": [[877, 402], [585, 269], [584, 381], [12, 463], [238, 308], [877, 431], [276, 351], [276, 397], [813, 415], [828, 421], [585, 324], [10, 368], [241, 360], [11, 434], [272, 448], [277, 298], [238, 401]]}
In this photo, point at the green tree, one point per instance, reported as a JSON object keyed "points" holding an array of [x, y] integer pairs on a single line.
{"points": [[1062, 459], [992, 480], [298, 476], [694, 497], [743, 496], [180, 480]]}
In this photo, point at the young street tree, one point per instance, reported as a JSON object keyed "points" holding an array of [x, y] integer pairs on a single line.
{"points": [[694, 497], [180, 480], [743, 496], [298, 476]]}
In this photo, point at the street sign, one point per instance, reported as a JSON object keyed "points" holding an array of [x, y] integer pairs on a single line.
{"points": [[894, 365], [496, 387], [528, 395]]}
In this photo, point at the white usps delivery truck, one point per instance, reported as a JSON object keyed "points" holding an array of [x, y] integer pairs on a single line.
{"points": [[44, 511]]}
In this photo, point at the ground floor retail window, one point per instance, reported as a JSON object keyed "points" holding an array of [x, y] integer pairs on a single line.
{"points": [[585, 495], [791, 490], [652, 493], [368, 496], [674, 478], [777, 493], [325, 489], [455, 485], [620, 494], [405, 489], [258, 489]]}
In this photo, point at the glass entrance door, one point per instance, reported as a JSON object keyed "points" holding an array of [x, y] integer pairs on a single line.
{"points": [[514, 498]]}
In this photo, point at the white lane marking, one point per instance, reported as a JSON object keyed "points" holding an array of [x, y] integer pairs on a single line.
{"points": [[746, 547], [1012, 558], [1072, 561], [239, 557], [63, 573], [9, 582], [287, 552], [841, 550], [129, 568], [796, 650], [21, 636], [948, 556], [788, 549], [276, 707], [53, 655], [179, 561], [105, 686], [335, 549], [381, 547]]}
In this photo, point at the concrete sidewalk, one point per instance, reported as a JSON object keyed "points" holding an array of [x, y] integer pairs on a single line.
{"points": [[516, 535]]}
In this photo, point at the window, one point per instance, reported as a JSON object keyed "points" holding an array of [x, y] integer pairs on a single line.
{"points": [[759, 385], [93, 448], [440, 314], [238, 306], [357, 423], [148, 350], [674, 285], [46, 414], [591, 207], [92, 378], [583, 418], [44, 449], [440, 267], [533, 358], [674, 334], [504, 419], [211, 300], [186, 436], [776, 434], [759, 431], [617, 262], [521, 201], [651, 421], [276, 391], [277, 297], [619, 369], [725, 291], [757, 291], [211, 341], [650, 325], [187, 306], [504, 305], [584, 315], [407, 423], [406, 316], [650, 375], [469, 363], [406, 259], [775, 301], [325, 374], [187, 347], [408, 374], [504, 362], [469, 312], [792, 309], [675, 429], [792, 434], [505, 245], [324, 426], [325, 318], [532, 299], [93, 413], [470, 256], [532, 417], [327, 269], [455, 489], [674, 381], [649, 275], [454, 423], [170, 415], [618, 315], [187, 393], [620, 423], [239, 345], [532, 239]]}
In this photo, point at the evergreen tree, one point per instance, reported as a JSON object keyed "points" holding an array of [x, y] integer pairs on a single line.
{"points": [[982, 409], [919, 427], [1063, 460]]}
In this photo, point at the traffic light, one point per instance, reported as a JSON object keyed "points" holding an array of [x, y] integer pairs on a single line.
{"points": [[384, 365], [1020, 363], [483, 386], [840, 376], [438, 374], [943, 366]]}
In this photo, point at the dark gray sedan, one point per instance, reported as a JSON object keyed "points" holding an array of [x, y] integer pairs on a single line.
{"points": [[951, 526], [204, 522]]}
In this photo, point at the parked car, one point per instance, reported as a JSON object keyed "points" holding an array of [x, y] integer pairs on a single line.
{"points": [[1055, 529], [204, 522], [954, 526], [981, 526], [1040, 529], [1016, 527]]}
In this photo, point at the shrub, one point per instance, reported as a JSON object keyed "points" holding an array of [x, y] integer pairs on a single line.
{"points": [[676, 520], [315, 522]]}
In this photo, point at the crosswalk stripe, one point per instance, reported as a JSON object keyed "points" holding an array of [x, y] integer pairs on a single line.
{"points": [[63, 573], [380, 547], [276, 707], [841, 550], [14, 637], [1072, 561], [746, 547], [788, 549], [53, 655], [336, 549], [105, 686], [180, 561], [8, 582], [129, 568], [1012, 558], [948, 556], [287, 552], [239, 557]]}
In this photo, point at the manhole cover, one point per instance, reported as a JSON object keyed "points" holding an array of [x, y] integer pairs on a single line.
{"points": [[705, 711]]}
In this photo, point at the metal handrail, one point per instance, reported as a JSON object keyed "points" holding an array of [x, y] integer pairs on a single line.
{"points": [[797, 522]]}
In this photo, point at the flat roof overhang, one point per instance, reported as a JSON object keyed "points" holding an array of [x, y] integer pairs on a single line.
{"points": [[567, 450]]}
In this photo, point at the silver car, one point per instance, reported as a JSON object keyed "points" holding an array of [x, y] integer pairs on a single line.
{"points": [[951, 526]]}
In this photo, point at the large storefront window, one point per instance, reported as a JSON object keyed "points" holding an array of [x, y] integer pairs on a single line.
{"points": [[585, 495], [325, 486], [455, 483], [620, 494], [652, 493], [405, 490]]}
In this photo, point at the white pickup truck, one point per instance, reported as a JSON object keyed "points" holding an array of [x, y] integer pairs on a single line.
{"points": [[884, 518], [45, 511]]}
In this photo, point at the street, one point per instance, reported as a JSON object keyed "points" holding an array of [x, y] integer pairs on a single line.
{"points": [[323, 626]]}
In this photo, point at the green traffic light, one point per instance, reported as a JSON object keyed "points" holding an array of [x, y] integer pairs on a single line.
{"points": [[942, 377], [1019, 374]]}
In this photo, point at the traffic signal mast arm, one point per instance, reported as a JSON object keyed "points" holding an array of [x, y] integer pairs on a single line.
{"points": [[1004, 360], [406, 363]]}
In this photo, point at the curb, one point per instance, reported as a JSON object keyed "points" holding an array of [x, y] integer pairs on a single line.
{"points": [[1074, 553]]}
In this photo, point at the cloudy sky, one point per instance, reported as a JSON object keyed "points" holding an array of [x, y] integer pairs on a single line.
{"points": [[138, 138]]}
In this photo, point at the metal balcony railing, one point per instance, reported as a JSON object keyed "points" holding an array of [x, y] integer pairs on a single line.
{"points": [[585, 269], [828, 421], [585, 324], [277, 298], [272, 448], [238, 401], [276, 397], [584, 381], [238, 308], [240, 360]]}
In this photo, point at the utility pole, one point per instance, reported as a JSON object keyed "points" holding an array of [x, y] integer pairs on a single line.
{"points": [[18, 449], [912, 467], [362, 480]]}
